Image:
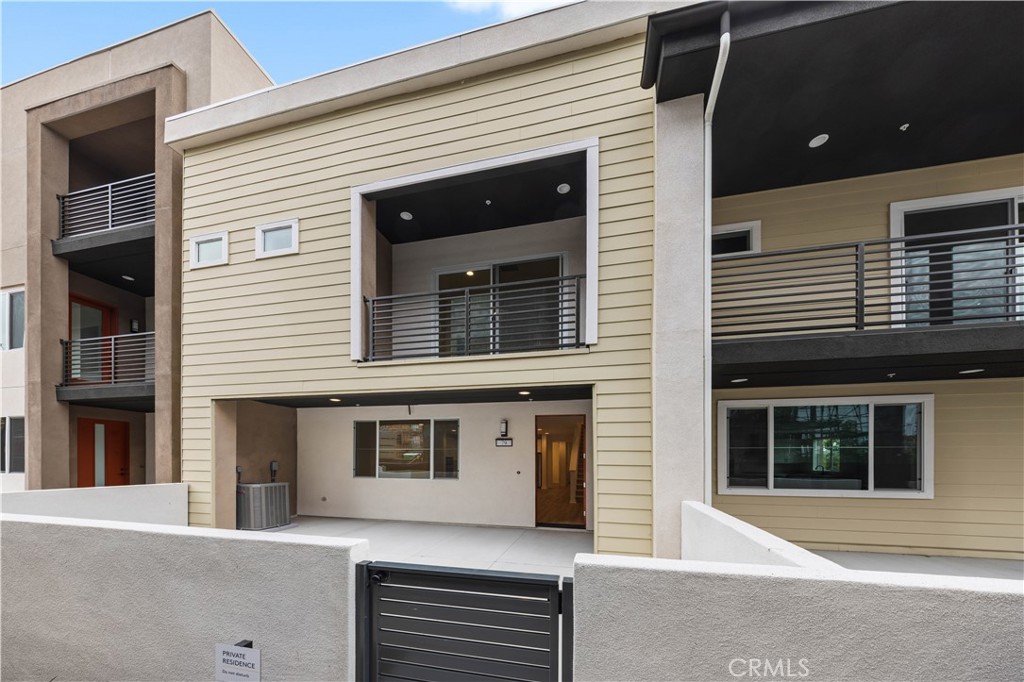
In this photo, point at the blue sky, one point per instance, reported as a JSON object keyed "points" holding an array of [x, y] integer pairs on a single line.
{"points": [[289, 39]]}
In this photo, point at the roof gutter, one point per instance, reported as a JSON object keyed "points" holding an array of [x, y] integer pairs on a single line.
{"points": [[724, 43]]}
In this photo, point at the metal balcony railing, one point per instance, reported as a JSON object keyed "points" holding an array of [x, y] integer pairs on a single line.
{"points": [[542, 314], [963, 277], [119, 204], [125, 359]]}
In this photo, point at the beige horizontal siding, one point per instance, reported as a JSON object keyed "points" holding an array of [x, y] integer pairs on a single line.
{"points": [[281, 326], [832, 213], [978, 508], [857, 208]]}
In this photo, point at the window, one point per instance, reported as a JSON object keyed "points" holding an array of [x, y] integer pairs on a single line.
{"points": [[208, 249], [12, 320], [277, 239], [12, 445], [844, 447], [414, 448], [736, 238]]}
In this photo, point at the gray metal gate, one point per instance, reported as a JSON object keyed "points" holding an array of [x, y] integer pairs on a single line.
{"points": [[440, 624]]}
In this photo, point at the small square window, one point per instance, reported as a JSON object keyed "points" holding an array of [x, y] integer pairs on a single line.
{"points": [[277, 239], [737, 238], [208, 249]]}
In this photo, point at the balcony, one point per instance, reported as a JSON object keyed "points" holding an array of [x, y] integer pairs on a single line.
{"points": [[127, 203], [109, 371], [536, 315], [108, 231], [899, 308]]}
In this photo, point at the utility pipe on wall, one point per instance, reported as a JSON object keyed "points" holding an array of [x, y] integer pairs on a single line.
{"points": [[724, 43]]}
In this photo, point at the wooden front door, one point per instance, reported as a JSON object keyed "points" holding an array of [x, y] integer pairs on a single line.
{"points": [[103, 456]]}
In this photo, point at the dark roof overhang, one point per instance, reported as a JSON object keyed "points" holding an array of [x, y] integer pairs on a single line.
{"points": [[952, 71]]}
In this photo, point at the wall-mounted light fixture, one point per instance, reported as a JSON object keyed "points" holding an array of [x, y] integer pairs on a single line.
{"points": [[273, 471], [503, 428]]}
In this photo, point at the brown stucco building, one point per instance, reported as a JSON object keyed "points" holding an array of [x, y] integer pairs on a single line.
{"points": [[91, 244]]}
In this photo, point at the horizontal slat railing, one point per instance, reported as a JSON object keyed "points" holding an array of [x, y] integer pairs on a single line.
{"points": [[543, 314], [125, 359], [119, 204], [963, 277]]}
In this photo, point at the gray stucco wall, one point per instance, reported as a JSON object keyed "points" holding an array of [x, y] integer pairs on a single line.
{"points": [[655, 619], [163, 503], [93, 600]]}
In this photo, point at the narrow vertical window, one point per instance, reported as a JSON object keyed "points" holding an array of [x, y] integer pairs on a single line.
{"points": [[748, 448], [365, 463], [898, 447], [446, 449], [16, 320]]}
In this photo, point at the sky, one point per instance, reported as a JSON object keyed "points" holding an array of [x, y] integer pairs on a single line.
{"points": [[291, 40]]}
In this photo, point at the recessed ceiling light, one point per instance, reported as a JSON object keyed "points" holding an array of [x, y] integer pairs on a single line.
{"points": [[904, 127], [563, 188], [524, 393], [469, 273], [971, 371], [739, 381], [487, 201], [335, 400], [405, 215], [818, 140], [128, 278]]}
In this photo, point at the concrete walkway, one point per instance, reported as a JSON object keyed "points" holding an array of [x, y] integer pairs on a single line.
{"points": [[937, 565], [523, 550]]}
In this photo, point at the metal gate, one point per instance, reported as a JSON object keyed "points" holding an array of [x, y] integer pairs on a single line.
{"points": [[440, 624]]}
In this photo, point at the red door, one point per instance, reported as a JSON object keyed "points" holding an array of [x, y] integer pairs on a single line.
{"points": [[102, 453]]}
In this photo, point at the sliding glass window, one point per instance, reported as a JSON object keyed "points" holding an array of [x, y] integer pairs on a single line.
{"points": [[858, 447], [412, 448]]}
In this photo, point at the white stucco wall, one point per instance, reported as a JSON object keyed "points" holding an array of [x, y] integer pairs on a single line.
{"points": [[415, 264], [496, 485], [657, 619], [712, 535], [166, 503], [12, 403], [681, 341], [94, 600], [12, 382]]}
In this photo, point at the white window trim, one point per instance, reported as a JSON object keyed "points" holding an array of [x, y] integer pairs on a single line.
{"points": [[5, 322], [260, 229], [7, 447], [376, 467], [589, 145], [927, 491], [751, 226], [193, 251], [897, 214]]}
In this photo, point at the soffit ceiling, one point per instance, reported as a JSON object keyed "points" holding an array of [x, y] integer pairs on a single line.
{"points": [[953, 72], [521, 194]]}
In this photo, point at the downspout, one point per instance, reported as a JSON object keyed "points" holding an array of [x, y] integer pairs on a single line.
{"points": [[724, 42]]}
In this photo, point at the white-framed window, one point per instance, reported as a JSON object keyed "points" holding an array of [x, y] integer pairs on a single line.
{"points": [[12, 445], [736, 238], [12, 320], [208, 249], [406, 448], [856, 446], [277, 239]]}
